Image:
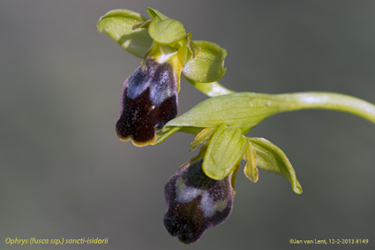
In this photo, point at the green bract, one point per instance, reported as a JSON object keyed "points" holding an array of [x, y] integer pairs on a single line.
{"points": [[246, 110], [203, 61], [238, 109]]}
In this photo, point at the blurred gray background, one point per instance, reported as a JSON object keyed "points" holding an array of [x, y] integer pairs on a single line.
{"points": [[64, 172]]}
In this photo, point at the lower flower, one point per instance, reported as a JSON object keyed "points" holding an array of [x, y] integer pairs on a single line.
{"points": [[196, 202]]}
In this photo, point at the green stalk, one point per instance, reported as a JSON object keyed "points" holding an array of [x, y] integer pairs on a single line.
{"points": [[304, 100], [331, 101], [210, 89]]}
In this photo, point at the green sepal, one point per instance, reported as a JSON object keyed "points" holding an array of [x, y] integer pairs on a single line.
{"points": [[118, 24], [201, 138], [155, 13], [251, 170], [271, 158], [224, 151], [208, 64], [166, 31]]}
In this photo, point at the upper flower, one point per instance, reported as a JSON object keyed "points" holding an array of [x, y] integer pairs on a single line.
{"points": [[149, 100], [149, 97]]}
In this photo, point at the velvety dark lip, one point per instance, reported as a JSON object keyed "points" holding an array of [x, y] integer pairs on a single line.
{"points": [[148, 102], [195, 203]]}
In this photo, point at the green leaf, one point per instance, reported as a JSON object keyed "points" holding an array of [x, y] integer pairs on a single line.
{"points": [[208, 65], [251, 170], [224, 152], [271, 158], [118, 24], [166, 31], [155, 13]]}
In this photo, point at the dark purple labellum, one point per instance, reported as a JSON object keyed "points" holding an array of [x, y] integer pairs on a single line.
{"points": [[149, 101], [195, 202]]}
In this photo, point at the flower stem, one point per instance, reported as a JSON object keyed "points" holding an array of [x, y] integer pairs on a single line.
{"points": [[331, 101], [210, 89]]}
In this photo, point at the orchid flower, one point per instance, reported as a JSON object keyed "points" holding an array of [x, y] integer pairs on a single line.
{"points": [[149, 97]]}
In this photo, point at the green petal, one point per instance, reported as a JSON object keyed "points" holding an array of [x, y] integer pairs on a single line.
{"points": [[155, 13], [202, 138], [251, 170], [166, 31], [193, 48], [271, 158], [224, 152], [118, 25], [207, 66]]}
